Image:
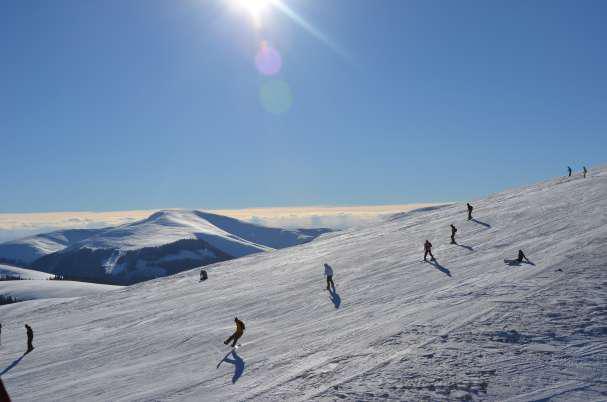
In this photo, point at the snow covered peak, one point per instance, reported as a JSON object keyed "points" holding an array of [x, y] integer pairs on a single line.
{"points": [[166, 242]]}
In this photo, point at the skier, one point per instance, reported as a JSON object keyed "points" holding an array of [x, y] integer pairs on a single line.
{"points": [[585, 172], [236, 335], [453, 231], [30, 338], [329, 275], [469, 211], [203, 275], [428, 250], [0, 334], [521, 257], [569, 170]]}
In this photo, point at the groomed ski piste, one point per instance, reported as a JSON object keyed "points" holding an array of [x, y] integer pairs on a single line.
{"points": [[468, 327]]}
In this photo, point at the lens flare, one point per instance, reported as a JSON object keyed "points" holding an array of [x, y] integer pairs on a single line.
{"points": [[276, 96], [268, 60], [255, 8]]}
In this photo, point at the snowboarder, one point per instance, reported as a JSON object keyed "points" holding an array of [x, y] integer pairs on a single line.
{"points": [[428, 250], [329, 275], [585, 171], [470, 208], [521, 257], [453, 231], [569, 170], [236, 335], [30, 338], [203, 275]]}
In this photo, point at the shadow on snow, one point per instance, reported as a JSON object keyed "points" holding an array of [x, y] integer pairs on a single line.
{"points": [[439, 267], [481, 223], [517, 263], [236, 361], [13, 364], [464, 246], [335, 298]]}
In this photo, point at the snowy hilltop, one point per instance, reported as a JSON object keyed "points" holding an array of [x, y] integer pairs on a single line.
{"points": [[471, 325], [29, 249], [165, 243]]}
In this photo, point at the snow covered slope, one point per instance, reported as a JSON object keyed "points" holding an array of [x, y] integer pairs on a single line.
{"points": [[468, 327], [11, 271], [165, 243], [47, 289], [29, 249]]}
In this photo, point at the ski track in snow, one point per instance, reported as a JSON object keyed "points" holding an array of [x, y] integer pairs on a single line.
{"points": [[403, 329]]}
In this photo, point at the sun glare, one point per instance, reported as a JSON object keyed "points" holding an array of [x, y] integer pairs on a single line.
{"points": [[254, 7]]}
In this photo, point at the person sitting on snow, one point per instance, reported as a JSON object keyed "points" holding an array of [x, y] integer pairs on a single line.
{"points": [[521, 257]]}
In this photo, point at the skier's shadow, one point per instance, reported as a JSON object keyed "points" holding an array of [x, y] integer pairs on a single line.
{"points": [[440, 267], [13, 364], [335, 298], [517, 263], [466, 247], [237, 362], [481, 223]]}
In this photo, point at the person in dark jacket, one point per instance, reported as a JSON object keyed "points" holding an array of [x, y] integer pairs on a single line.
{"points": [[453, 231], [236, 335], [521, 257], [569, 170], [203, 275], [329, 275], [428, 250], [585, 171], [470, 208], [30, 338]]}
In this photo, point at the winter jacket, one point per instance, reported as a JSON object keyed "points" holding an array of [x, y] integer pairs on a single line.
{"points": [[328, 270], [239, 327]]}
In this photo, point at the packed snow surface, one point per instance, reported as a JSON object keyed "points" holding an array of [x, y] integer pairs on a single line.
{"points": [[469, 326]]}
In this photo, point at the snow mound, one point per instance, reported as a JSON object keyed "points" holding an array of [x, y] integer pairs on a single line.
{"points": [[50, 289], [467, 327], [16, 272]]}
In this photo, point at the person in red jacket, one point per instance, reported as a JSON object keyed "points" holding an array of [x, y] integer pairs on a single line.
{"points": [[428, 250], [236, 335]]}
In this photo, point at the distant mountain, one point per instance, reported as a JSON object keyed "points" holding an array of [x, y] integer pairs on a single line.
{"points": [[165, 243], [29, 249]]}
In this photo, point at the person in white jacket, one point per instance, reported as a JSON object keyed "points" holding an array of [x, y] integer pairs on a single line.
{"points": [[329, 275]]}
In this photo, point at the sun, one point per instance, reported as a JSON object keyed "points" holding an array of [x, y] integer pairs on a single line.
{"points": [[255, 8]]}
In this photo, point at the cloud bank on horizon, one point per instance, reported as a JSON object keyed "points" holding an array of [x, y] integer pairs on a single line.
{"points": [[18, 225]]}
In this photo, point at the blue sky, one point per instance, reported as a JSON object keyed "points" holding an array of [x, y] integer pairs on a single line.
{"points": [[120, 104]]}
